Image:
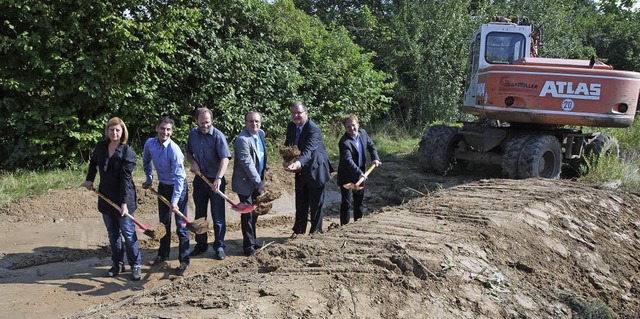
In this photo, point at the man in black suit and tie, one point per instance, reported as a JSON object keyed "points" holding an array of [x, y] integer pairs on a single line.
{"points": [[351, 167], [313, 169]]}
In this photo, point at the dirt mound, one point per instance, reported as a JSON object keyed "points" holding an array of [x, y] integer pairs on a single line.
{"points": [[488, 249], [428, 247]]}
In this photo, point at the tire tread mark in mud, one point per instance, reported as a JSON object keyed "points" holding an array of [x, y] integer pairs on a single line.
{"points": [[454, 216]]}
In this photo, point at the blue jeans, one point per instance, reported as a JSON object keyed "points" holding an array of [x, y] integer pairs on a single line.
{"points": [[164, 215], [118, 227], [203, 197]]}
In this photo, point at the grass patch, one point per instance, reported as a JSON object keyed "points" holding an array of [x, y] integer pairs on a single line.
{"points": [[21, 184], [625, 169], [588, 309]]}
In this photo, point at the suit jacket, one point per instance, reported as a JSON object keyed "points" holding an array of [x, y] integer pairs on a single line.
{"points": [[246, 178], [316, 168], [116, 181], [348, 169]]}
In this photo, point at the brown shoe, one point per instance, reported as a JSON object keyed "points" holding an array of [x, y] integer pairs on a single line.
{"points": [[157, 261]]}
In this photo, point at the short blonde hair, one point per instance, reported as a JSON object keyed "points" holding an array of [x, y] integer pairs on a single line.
{"points": [[350, 117], [117, 121]]}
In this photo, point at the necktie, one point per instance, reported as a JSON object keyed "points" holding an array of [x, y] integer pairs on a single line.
{"points": [[260, 153], [298, 132]]}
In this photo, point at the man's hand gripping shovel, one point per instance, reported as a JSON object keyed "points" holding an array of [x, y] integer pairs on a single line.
{"points": [[356, 186], [241, 208], [198, 226], [156, 232]]}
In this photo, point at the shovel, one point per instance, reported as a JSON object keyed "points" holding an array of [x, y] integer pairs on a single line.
{"points": [[198, 226], [241, 208], [356, 186], [156, 233]]}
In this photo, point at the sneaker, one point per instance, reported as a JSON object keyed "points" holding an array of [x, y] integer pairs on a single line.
{"points": [[220, 255], [157, 261], [115, 270], [197, 250], [249, 252], [183, 267], [136, 273]]}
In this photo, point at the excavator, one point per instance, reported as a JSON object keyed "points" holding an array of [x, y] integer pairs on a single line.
{"points": [[530, 109]]}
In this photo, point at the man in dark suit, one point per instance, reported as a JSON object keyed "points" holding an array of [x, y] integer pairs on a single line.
{"points": [[313, 169], [249, 166], [352, 165]]}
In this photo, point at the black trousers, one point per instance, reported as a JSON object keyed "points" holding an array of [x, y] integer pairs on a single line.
{"points": [[308, 200], [248, 222], [351, 202]]}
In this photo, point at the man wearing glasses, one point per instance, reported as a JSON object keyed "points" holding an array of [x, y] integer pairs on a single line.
{"points": [[313, 169]]}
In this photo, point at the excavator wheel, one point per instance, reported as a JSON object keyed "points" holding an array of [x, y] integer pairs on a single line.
{"points": [[436, 149], [603, 145], [512, 153], [541, 157]]}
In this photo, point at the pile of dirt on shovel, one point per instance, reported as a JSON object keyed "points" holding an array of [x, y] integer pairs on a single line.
{"points": [[487, 249]]}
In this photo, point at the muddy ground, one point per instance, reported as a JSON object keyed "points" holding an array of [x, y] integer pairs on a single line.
{"points": [[466, 246]]}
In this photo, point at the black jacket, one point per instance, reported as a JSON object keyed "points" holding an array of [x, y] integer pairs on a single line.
{"points": [[348, 169], [316, 168], [116, 181]]}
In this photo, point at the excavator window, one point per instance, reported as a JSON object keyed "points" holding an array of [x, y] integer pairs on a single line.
{"points": [[504, 48]]}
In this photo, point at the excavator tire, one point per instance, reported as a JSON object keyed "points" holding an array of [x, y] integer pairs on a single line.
{"points": [[541, 157], [602, 145], [512, 154], [436, 149]]}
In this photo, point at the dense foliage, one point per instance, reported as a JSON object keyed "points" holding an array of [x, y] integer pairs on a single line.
{"points": [[423, 44], [68, 65]]}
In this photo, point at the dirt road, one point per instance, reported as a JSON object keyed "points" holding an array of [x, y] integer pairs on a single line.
{"points": [[429, 247]]}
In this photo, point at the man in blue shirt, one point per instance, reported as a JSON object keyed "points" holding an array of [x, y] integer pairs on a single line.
{"points": [[209, 154], [168, 161]]}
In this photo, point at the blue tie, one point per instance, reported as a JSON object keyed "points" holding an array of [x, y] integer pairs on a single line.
{"points": [[260, 153], [298, 132]]}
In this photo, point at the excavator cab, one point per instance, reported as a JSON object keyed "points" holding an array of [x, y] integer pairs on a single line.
{"points": [[495, 43]]}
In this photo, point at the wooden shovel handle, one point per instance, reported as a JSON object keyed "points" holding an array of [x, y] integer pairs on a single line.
{"points": [[118, 208], [168, 203], [365, 174], [206, 180]]}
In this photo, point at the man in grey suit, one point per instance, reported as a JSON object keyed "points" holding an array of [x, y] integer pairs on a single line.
{"points": [[249, 166], [313, 169]]}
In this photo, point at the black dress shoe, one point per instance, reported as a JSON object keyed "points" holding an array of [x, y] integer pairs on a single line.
{"points": [[249, 252], [157, 261], [197, 250]]}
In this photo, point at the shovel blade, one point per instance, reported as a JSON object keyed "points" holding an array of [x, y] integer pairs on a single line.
{"points": [[141, 229], [352, 186], [243, 208], [198, 226]]}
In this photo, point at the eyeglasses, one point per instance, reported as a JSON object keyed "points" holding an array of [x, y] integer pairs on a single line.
{"points": [[297, 113]]}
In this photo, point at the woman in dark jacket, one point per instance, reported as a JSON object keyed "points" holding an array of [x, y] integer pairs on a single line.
{"points": [[115, 161]]}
